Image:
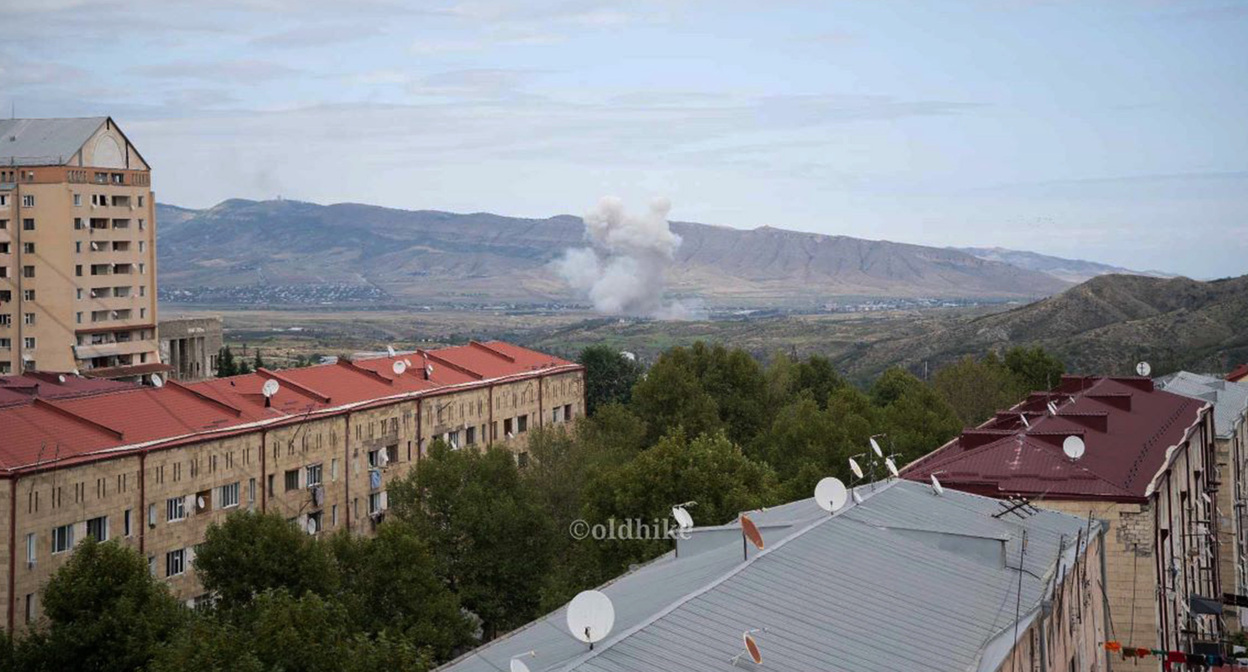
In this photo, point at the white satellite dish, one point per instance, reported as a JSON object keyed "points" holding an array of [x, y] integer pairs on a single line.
{"points": [[311, 526], [157, 381], [683, 519], [518, 665], [1205, 496], [1052, 408], [1143, 369], [1024, 419], [408, 362], [61, 379], [936, 486], [383, 457], [892, 466], [875, 446], [629, 356], [830, 494], [510, 435], [853, 466], [270, 388], [390, 350], [428, 370], [399, 367], [590, 616], [1074, 447], [857, 497], [199, 502]]}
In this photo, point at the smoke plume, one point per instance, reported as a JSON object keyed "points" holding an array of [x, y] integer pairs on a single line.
{"points": [[623, 270]]}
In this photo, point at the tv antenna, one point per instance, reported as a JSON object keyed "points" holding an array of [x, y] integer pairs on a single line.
{"points": [[518, 665], [683, 520], [590, 617], [269, 390], [751, 647], [830, 494], [1143, 369], [1074, 447]]}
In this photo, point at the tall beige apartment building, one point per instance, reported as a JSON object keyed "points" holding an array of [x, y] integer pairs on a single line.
{"points": [[77, 250]]}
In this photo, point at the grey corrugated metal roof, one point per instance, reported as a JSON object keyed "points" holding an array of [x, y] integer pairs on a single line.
{"points": [[44, 142], [1230, 400], [900, 581]]}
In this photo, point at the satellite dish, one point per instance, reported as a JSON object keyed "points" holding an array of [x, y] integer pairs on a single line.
{"points": [[61, 379], [518, 665], [830, 495], [199, 502], [510, 435], [875, 446], [629, 356], [270, 388], [383, 457], [1024, 419], [399, 367], [751, 647], [157, 381], [590, 616], [683, 519], [408, 362], [750, 530], [853, 466], [1074, 447], [390, 350], [857, 497], [936, 486], [892, 466], [1143, 369], [428, 370], [311, 526]]}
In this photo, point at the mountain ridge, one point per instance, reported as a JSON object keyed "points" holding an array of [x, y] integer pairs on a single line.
{"points": [[485, 258]]}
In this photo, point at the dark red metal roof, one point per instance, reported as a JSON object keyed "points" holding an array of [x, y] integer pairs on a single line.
{"points": [[22, 389], [1127, 427], [118, 418], [1239, 374]]}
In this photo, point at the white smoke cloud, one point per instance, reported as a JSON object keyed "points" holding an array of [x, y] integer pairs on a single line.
{"points": [[623, 271]]}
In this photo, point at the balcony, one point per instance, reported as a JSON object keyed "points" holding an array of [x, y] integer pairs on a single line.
{"points": [[114, 349]]}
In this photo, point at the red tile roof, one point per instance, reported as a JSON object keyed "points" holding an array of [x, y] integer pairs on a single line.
{"points": [[1239, 374], [1127, 426], [128, 371], [104, 418]]}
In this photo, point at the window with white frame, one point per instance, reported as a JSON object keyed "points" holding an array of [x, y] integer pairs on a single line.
{"points": [[175, 562], [314, 475], [376, 503], [98, 528], [30, 549], [228, 495], [175, 509], [28, 201], [62, 538]]}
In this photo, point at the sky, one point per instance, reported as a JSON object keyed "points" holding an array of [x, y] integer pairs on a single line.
{"points": [[1115, 131]]}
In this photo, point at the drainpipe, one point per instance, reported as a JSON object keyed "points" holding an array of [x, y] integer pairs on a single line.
{"points": [[264, 474], [143, 503], [1104, 592], [12, 549], [346, 471]]}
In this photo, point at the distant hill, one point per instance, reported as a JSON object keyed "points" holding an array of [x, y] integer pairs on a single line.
{"points": [[303, 252], [1104, 325], [1070, 270]]}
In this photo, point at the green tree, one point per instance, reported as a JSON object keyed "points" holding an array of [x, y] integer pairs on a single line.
{"points": [[389, 586], [609, 376], [914, 417], [709, 470], [978, 389], [1035, 368], [259, 361], [491, 541], [735, 380], [671, 396], [250, 553], [226, 365], [103, 611]]}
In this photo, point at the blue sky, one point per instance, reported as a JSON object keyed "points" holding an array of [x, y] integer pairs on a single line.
{"points": [[1115, 131]]}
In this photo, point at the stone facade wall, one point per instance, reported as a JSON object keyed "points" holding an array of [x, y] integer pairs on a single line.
{"points": [[250, 471]]}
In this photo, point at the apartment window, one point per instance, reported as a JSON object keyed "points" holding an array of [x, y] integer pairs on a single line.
{"points": [[142, 224], [470, 435], [6, 344], [272, 477], [175, 562], [141, 199], [78, 317], [4, 223], [522, 424], [126, 524], [28, 318], [151, 515], [522, 459], [30, 607], [314, 475], [175, 509], [314, 522], [251, 491], [28, 271], [28, 294], [4, 271], [4, 248], [28, 248], [567, 412], [229, 495], [28, 225], [4, 200], [151, 565], [28, 201], [507, 428], [78, 225], [333, 515], [141, 269], [77, 247], [29, 343], [78, 272], [62, 538], [98, 528], [292, 480], [30, 549], [77, 200], [333, 469], [376, 502], [142, 245], [142, 290]]}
